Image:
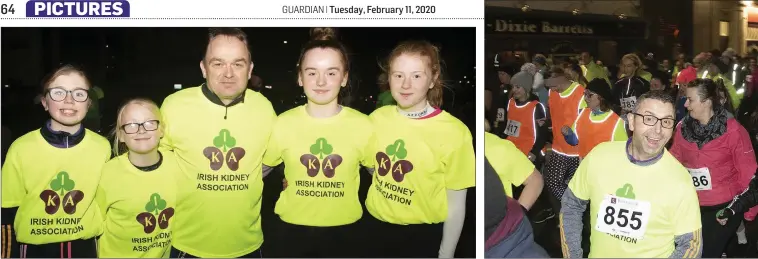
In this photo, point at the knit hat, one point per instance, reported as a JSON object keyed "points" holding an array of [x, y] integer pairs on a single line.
{"points": [[600, 87], [687, 75], [524, 80]]}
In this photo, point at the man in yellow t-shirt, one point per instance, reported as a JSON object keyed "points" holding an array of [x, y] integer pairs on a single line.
{"points": [[591, 69], [513, 168], [219, 132], [630, 215]]}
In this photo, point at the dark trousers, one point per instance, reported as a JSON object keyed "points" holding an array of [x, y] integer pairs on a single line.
{"points": [[176, 253], [715, 236], [386, 240], [298, 241], [81, 248]]}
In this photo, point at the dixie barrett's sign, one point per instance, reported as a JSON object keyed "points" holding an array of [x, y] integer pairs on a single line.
{"points": [[540, 27]]}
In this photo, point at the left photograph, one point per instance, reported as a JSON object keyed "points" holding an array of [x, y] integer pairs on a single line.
{"points": [[238, 142]]}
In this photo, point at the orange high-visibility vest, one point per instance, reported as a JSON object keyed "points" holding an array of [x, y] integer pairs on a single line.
{"points": [[563, 112], [591, 133], [521, 127]]}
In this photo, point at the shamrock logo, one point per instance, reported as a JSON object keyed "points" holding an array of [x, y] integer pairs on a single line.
{"points": [[400, 167], [328, 165], [224, 141], [62, 184], [627, 191], [155, 206]]}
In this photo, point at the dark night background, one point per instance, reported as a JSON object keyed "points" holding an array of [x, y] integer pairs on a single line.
{"points": [[147, 62]]}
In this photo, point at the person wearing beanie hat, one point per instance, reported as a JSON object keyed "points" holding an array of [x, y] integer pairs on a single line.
{"points": [[526, 128], [597, 124], [523, 80]]}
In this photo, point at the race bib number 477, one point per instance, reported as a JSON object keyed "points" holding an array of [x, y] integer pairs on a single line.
{"points": [[623, 216], [512, 128]]}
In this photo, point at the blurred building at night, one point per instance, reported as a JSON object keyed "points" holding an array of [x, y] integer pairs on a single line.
{"points": [[560, 29]]}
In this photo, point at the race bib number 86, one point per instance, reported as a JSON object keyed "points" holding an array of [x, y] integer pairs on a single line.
{"points": [[623, 216], [701, 178]]}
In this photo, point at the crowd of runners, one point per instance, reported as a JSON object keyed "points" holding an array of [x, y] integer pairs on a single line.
{"points": [[652, 160], [185, 179]]}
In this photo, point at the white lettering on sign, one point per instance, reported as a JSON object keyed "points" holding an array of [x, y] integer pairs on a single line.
{"points": [[543, 27]]}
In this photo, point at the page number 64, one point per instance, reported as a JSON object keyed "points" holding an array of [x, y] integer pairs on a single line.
{"points": [[7, 9]]}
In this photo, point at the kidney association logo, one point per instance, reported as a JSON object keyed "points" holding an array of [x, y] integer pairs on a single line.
{"points": [[223, 144], [61, 186], [155, 212], [328, 165], [393, 158]]}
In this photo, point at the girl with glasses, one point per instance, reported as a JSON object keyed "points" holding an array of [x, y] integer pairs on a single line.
{"points": [[137, 193], [50, 176], [717, 152]]}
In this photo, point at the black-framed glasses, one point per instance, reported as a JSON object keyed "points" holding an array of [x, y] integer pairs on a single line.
{"points": [[59, 94], [131, 128], [588, 94], [651, 120]]}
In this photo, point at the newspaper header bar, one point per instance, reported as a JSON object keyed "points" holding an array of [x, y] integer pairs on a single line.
{"points": [[242, 9]]}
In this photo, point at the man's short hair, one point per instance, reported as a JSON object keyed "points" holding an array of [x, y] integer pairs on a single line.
{"points": [[229, 32], [655, 95]]}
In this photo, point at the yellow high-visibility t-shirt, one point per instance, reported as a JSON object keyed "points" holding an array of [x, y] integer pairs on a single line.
{"points": [[138, 208], [219, 150], [53, 188], [322, 158], [646, 206], [417, 161], [511, 165]]}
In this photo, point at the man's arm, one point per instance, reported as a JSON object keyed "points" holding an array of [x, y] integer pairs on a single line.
{"points": [[572, 210], [688, 245]]}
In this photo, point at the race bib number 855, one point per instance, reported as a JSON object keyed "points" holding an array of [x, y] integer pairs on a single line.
{"points": [[622, 216]]}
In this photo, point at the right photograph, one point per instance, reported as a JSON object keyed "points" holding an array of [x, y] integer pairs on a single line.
{"points": [[616, 129]]}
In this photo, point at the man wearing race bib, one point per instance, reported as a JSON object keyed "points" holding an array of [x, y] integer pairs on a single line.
{"points": [[219, 132], [622, 182], [718, 153], [566, 102], [631, 85]]}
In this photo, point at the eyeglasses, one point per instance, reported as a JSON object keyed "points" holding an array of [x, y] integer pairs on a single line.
{"points": [[651, 120], [59, 94], [131, 128], [588, 94]]}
